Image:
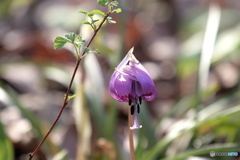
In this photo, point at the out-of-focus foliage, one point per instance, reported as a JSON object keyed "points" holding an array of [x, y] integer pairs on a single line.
{"points": [[6, 146], [184, 122]]}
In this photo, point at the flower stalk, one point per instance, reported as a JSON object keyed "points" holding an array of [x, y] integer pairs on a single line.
{"points": [[130, 136]]}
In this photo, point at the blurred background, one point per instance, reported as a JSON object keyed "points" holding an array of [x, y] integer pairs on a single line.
{"points": [[190, 48]]}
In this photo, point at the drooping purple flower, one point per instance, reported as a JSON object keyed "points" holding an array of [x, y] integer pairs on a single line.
{"points": [[131, 83]]}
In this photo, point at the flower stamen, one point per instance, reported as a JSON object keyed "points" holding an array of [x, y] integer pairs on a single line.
{"points": [[130, 102], [138, 108], [132, 109], [140, 100], [120, 71]]}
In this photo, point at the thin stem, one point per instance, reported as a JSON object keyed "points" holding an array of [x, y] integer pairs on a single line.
{"points": [[76, 50], [96, 31], [65, 102], [131, 144]]}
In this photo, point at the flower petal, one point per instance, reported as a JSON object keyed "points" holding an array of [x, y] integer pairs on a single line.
{"points": [[112, 89], [125, 60], [146, 83], [138, 89], [135, 62], [120, 88]]}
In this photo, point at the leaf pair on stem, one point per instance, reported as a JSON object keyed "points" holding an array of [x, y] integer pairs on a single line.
{"points": [[77, 40]]}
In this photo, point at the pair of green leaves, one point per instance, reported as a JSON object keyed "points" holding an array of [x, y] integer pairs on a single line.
{"points": [[106, 2], [110, 5], [76, 40], [90, 15], [87, 50]]}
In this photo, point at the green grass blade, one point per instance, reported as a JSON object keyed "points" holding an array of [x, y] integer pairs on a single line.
{"points": [[82, 121], [6, 151], [208, 45], [111, 120], [94, 91], [214, 119], [148, 129]]}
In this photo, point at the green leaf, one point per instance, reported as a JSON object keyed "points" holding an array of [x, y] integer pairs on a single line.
{"points": [[118, 10], [70, 97], [103, 2], [59, 42], [79, 37], [79, 41], [83, 12], [86, 50], [71, 36], [109, 20], [114, 3], [95, 20], [97, 51], [98, 12], [86, 22], [90, 14]]}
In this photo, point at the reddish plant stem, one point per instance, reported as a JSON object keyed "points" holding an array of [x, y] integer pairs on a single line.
{"points": [[65, 102], [130, 132]]}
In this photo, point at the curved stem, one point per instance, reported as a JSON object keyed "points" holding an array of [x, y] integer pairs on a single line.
{"points": [[131, 144], [76, 50], [60, 112], [68, 90]]}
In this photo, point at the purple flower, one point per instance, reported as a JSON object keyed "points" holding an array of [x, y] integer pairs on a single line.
{"points": [[131, 83]]}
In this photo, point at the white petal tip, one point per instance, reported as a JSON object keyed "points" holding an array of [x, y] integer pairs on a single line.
{"points": [[131, 50], [135, 127], [131, 56]]}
